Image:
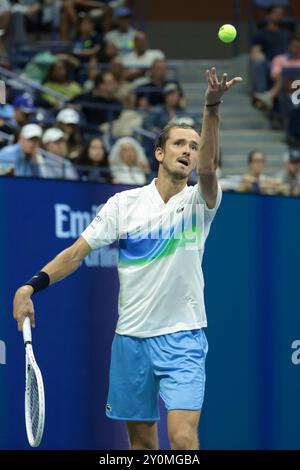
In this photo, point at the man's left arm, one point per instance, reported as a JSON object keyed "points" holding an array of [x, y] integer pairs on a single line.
{"points": [[209, 148]]}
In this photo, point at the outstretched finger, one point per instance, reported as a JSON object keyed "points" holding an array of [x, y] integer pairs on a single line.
{"points": [[234, 81], [224, 80], [214, 77], [209, 79]]}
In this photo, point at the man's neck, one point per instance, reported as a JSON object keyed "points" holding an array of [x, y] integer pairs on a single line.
{"points": [[139, 53], [168, 187]]}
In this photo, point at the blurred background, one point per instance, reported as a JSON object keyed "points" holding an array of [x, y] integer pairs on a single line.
{"points": [[89, 86]]}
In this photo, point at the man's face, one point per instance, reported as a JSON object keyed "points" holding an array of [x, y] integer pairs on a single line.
{"points": [[29, 146], [128, 154], [123, 23], [277, 14], [180, 155], [159, 70], [21, 117], [258, 162], [140, 43], [58, 147]]}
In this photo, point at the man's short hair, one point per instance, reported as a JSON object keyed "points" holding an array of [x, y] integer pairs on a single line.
{"points": [[165, 133], [252, 153]]}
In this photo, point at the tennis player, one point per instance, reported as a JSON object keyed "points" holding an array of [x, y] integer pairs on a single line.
{"points": [[159, 347]]}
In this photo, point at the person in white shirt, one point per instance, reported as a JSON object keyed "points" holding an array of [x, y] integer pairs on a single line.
{"points": [[141, 58], [128, 162], [159, 347], [123, 35]]}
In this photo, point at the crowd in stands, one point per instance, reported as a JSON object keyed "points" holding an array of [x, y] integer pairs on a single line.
{"points": [[88, 104], [275, 69]]}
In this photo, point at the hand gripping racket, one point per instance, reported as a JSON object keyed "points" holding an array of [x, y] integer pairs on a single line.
{"points": [[34, 392]]}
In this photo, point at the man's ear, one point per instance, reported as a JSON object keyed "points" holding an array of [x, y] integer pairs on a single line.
{"points": [[159, 154]]}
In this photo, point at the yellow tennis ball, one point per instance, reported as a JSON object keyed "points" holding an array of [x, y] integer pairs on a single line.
{"points": [[227, 33]]}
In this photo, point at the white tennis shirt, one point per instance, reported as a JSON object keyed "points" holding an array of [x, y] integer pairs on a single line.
{"points": [[161, 247]]}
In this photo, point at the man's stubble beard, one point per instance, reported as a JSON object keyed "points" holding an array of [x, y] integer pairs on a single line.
{"points": [[175, 175]]}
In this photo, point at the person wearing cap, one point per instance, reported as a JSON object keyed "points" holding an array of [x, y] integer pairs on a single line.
{"points": [[27, 159], [54, 141], [18, 114], [24, 109], [123, 35], [68, 120], [289, 177]]}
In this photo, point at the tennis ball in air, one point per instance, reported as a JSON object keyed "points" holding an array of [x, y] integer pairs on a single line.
{"points": [[227, 33]]}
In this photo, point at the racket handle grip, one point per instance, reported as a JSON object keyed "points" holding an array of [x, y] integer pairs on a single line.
{"points": [[27, 330]]}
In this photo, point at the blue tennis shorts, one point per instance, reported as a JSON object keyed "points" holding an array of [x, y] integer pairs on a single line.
{"points": [[172, 366]]}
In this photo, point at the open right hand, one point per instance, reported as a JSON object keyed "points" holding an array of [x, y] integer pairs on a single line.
{"points": [[23, 306]]}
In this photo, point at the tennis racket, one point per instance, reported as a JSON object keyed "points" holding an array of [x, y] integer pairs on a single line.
{"points": [[34, 392]]}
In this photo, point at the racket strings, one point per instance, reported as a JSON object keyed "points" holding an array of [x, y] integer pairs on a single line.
{"points": [[34, 404]]}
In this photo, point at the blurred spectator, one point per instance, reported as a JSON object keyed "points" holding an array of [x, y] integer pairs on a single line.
{"points": [[267, 42], [4, 23], [54, 141], [92, 71], [171, 110], [123, 86], [50, 20], [152, 89], [128, 162], [38, 67], [7, 132], [130, 118], [68, 121], [87, 43], [107, 53], [18, 18], [24, 109], [26, 158], [293, 116], [100, 10], [141, 58], [255, 181], [103, 95], [92, 164], [58, 80], [289, 177], [18, 114], [289, 60], [123, 35]]}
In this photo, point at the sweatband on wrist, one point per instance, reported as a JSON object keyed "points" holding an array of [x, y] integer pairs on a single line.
{"points": [[39, 281], [214, 104]]}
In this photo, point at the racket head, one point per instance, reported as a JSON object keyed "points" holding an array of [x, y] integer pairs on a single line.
{"points": [[34, 400]]}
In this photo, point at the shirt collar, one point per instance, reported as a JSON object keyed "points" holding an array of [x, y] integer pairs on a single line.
{"points": [[156, 197]]}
